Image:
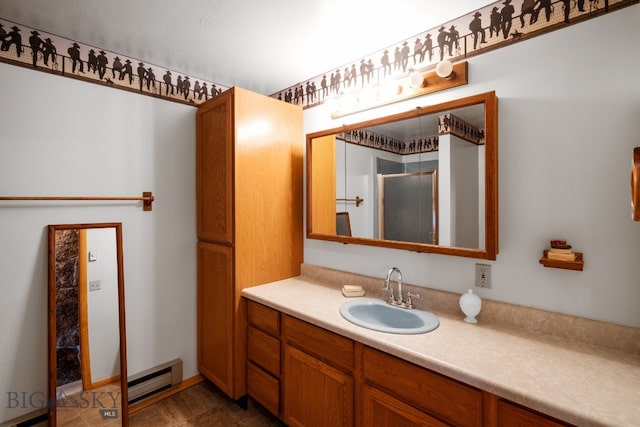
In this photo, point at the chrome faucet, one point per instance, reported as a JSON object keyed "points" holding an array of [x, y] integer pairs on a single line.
{"points": [[388, 288], [399, 301]]}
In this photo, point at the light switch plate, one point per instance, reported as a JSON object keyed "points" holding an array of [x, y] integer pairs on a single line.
{"points": [[93, 256]]}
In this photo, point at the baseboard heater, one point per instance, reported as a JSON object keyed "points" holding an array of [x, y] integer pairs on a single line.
{"points": [[145, 384], [39, 418], [141, 386]]}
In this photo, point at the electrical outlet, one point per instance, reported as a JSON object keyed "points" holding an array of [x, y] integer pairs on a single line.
{"points": [[483, 276], [94, 285]]}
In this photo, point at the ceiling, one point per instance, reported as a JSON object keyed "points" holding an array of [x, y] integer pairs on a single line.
{"points": [[261, 45]]}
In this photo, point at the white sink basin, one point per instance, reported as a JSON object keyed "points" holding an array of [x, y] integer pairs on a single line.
{"points": [[377, 315]]}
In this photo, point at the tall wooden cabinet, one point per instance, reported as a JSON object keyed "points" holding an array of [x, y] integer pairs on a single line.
{"points": [[249, 215]]}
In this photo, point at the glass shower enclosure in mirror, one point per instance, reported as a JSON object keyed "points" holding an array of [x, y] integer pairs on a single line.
{"points": [[87, 343], [423, 180]]}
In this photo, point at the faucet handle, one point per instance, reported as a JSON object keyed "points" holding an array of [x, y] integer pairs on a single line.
{"points": [[390, 291], [409, 300]]}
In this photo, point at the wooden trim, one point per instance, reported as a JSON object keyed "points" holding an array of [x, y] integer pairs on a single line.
{"points": [[51, 253], [105, 381], [490, 250], [83, 313], [124, 387], [52, 314], [358, 383], [490, 409], [491, 176], [185, 384], [146, 198], [635, 184]]}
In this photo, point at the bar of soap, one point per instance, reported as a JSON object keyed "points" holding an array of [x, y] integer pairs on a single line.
{"points": [[352, 291]]}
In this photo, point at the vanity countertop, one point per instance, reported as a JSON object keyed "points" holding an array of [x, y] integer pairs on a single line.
{"points": [[580, 384]]}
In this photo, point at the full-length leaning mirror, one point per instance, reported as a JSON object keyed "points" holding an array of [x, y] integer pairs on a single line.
{"points": [[425, 180], [87, 341]]}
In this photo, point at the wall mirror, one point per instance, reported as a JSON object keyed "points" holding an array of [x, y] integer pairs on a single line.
{"points": [[87, 340], [425, 180]]}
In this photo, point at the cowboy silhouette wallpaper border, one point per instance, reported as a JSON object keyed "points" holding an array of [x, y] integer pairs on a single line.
{"points": [[27, 47], [496, 25]]}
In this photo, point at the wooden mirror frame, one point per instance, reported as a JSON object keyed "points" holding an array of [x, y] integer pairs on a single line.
{"points": [[52, 376], [490, 250], [635, 184]]}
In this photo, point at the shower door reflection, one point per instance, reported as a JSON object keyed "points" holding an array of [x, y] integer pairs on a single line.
{"points": [[408, 206]]}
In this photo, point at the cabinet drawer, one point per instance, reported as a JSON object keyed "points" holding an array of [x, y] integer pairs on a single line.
{"points": [[378, 408], [327, 346], [263, 350], [447, 399], [264, 388], [264, 318], [510, 414]]}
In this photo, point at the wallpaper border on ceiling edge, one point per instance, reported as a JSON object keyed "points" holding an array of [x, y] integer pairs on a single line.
{"points": [[395, 63], [16, 48], [73, 59]]}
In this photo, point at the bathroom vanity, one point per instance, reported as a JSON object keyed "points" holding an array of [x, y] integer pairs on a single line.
{"points": [[309, 366]]}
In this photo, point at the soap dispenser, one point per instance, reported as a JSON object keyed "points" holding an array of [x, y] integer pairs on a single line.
{"points": [[470, 305]]}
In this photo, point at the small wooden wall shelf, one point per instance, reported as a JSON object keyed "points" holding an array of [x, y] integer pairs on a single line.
{"points": [[577, 265]]}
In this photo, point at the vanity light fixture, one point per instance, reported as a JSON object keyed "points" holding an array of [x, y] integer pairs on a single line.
{"points": [[445, 76], [444, 69], [416, 79]]}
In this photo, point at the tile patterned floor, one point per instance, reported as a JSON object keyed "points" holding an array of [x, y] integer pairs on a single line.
{"points": [[73, 412], [202, 405]]}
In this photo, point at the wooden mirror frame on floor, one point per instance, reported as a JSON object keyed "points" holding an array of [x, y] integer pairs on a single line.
{"points": [[122, 411]]}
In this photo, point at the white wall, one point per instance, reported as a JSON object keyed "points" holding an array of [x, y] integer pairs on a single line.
{"points": [[102, 304], [569, 105], [64, 137], [359, 182], [460, 169]]}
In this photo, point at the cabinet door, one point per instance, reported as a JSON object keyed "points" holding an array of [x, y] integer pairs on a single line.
{"points": [[445, 398], [215, 314], [315, 394], [380, 409], [214, 169]]}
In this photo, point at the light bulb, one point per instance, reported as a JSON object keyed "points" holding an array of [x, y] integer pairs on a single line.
{"points": [[416, 79], [444, 69]]}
